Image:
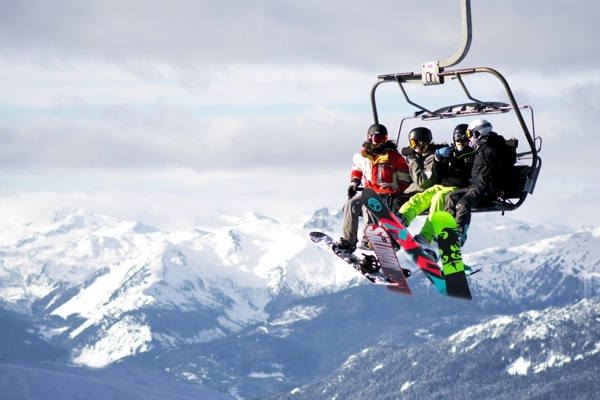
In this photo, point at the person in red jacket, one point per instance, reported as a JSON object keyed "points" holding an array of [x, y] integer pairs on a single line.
{"points": [[381, 167]]}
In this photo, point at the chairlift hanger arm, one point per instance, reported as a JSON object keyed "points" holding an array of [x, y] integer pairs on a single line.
{"points": [[467, 34]]}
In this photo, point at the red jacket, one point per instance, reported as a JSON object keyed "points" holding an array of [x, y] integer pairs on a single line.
{"points": [[386, 173]]}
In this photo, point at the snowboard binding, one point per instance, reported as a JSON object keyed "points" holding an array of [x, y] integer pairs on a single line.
{"points": [[370, 264]]}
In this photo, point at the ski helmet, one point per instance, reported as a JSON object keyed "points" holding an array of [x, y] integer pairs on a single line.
{"points": [[419, 135], [460, 133], [478, 128], [376, 129]]}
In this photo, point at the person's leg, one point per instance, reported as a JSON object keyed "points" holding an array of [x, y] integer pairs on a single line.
{"points": [[437, 203], [452, 200], [472, 198], [418, 203], [351, 211]]}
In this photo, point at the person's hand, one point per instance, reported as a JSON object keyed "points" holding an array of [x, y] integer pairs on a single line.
{"points": [[352, 189], [443, 153], [407, 151]]}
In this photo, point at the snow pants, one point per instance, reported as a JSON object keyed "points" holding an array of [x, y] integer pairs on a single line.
{"points": [[433, 198], [460, 203], [352, 211]]}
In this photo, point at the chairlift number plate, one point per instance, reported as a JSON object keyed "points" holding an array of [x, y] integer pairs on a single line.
{"points": [[430, 73]]}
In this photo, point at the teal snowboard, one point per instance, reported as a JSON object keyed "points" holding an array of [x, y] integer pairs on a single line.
{"points": [[453, 269]]}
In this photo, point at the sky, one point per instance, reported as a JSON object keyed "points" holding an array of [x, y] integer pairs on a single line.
{"points": [[174, 113]]}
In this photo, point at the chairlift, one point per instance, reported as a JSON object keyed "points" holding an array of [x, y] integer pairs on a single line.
{"points": [[528, 164]]}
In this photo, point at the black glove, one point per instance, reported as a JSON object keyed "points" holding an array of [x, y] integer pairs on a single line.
{"points": [[352, 189], [407, 151]]}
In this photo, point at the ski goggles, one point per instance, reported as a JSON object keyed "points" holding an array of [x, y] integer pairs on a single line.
{"points": [[413, 143], [461, 139], [380, 138]]}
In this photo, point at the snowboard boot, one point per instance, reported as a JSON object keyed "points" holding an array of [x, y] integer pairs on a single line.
{"points": [[402, 219], [343, 246], [426, 246], [462, 234], [364, 245]]}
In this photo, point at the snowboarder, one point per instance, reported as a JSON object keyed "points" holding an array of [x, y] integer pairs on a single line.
{"points": [[420, 156], [453, 165], [485, 181], [383, 169]]}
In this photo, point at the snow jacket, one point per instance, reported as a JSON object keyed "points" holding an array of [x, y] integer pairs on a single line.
{"points": [[422, 171], [456, 171], [383, 169], [487, 165]]}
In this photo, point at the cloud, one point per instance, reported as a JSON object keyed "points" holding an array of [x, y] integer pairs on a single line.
{"points": [[124, 138], [380, 36], [367, 34], [263, 104]]}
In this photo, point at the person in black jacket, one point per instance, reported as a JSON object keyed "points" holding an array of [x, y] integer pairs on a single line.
{"points": [[485, 181], [452, 165]]}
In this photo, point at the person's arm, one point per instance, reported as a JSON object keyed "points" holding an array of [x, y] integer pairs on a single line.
{"points": [[421, 171]]}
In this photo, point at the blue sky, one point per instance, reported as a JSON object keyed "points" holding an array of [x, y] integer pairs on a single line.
{"points": [[176, 112]]}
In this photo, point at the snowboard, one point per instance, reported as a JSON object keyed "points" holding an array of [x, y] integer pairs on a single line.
{"points": [[381, 212], [378, 278], [382, 245], [444, 226]]}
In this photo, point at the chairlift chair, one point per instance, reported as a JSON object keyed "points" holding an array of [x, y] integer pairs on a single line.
{"points": [[529, 163]]}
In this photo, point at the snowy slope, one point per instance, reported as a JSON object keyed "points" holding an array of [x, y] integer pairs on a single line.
{"points": [[33, 381], [553, 268], [114, 288], [548, 354], [102, 290], [109, 289]]}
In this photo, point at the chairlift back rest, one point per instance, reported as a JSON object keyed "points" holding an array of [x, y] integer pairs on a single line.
{"points": [[511, 182], [513, 185]]}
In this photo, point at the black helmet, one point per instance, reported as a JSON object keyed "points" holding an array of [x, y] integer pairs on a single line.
{"points": [[420, 134], [460, 132], [377, 129]]}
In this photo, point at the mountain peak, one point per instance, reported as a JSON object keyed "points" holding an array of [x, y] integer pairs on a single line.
{"points": [[248, 217], [325, 220]]}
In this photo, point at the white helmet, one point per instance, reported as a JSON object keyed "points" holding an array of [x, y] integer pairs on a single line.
{"points": [[478, 128]]}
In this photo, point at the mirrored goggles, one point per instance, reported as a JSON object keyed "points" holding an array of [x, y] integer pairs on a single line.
{"points": [[379, 138], [413, 143]]}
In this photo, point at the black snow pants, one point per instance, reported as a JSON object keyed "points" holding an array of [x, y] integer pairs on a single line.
{"points": [[460, 203]]}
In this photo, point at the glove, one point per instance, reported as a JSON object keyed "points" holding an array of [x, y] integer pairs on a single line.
{"points": [[443, 153], [407, 151], [352, 189]]}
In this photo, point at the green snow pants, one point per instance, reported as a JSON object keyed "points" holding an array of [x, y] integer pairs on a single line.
{"points": [[432, 198]]}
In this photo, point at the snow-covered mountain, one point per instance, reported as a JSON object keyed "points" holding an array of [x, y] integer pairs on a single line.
{"points": [[548, 354], [116, 288], [252, 307], [34, 381]]}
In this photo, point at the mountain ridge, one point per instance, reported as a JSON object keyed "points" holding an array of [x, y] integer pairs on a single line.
{"points": [[108, 291]]}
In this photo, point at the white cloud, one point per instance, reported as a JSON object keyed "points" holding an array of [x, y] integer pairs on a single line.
{"points": [[148, 111]]}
